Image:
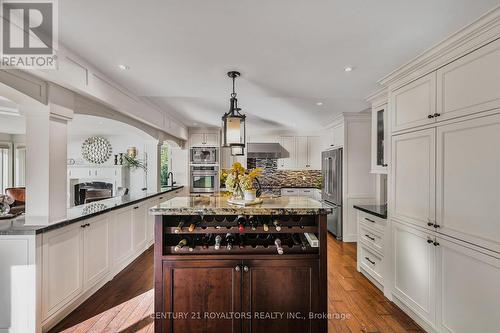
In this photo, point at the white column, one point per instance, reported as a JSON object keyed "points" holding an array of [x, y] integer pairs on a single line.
{"points": [[46, 157]]}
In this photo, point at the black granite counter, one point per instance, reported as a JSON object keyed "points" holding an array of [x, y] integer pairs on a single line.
{"points": [[18, 225], [377, 210]]}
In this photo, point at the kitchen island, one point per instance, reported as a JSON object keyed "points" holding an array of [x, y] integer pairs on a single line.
{"points": [[226, 268]]}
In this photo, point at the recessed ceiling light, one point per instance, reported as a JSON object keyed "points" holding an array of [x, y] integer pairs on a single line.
{"points": [[348, 69], [319, 103], [123, 67]]}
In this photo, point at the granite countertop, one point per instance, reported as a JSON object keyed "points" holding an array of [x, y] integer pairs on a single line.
{"points": [[19, 226], [218, 205], [377, 210]]}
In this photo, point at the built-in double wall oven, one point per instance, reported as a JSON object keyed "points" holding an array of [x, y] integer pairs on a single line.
{"points": [[204, 178]]}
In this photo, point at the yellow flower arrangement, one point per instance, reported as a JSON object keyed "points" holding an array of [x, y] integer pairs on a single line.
{"points": [[237, 178]]}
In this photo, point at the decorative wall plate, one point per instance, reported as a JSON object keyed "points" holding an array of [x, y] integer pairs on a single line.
{"points": [[96, 149]]}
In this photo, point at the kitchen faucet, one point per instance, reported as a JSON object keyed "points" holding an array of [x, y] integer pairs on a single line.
{"points": [[170, 176]]}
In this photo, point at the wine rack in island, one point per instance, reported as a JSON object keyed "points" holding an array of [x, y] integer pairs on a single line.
{"points": [[240, 273]]}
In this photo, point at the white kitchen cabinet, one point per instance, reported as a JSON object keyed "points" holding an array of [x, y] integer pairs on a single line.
{"points": [[379, 141], [300, 153], [139, 232], [314, 153], [289, 192], [414, 104], [371, 262], [467, 180], [414, 272], [204, 139], [122, 241], [338, 135], [62, 270], [96, 245], [469, 84], [307, 192], [468, 292], [289, 157], [413, 177]]}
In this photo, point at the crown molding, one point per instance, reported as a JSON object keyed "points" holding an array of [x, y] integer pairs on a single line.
{"points": [[473, 36]]}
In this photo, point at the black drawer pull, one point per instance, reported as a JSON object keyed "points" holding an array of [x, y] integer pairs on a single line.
{"points": [[372, 262], [368, 236], [430, 116], [430, 241], [437, 114], [136, 207], [369, 220]]}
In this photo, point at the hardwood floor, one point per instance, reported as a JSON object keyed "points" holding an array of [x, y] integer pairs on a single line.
{"points": [[126, 303]]}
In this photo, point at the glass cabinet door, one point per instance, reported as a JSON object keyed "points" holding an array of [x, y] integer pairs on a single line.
{"points": [[379, 133]]}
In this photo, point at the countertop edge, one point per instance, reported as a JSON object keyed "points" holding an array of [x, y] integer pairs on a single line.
{"points": [[366, 210]]}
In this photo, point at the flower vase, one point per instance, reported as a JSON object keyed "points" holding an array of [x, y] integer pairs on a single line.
{"points": [[237, 193]]}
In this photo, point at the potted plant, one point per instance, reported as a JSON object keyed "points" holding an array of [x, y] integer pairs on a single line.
{"points": [[246, 184]]}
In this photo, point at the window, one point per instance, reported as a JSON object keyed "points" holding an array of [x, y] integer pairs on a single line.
{"points": [[20, 165], [5, 165], [164, 165]]}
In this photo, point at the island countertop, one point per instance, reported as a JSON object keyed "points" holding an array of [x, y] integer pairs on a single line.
{"points": [[218, 205]]}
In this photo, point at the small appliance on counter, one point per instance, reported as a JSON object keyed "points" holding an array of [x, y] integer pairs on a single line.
{"points": [[331, 192]]}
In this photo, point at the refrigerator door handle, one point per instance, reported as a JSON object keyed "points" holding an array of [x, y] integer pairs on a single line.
{"points": [[327, 175]]}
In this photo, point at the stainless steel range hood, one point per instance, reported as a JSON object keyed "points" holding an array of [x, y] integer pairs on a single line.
{"points": [[264, 150]]}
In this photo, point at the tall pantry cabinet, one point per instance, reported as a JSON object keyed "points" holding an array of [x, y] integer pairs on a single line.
{"points": [[443, 194]]}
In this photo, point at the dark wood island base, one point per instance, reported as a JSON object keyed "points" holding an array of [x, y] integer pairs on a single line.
{"points": [[225, 273]]}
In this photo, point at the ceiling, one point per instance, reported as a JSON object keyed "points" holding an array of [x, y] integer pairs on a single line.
{"points": [[86, 125], [291, 53]]}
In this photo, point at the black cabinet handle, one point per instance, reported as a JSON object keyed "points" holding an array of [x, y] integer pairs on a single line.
{"points": [[430, 116], [437, 226], [437, 114], [384, 164], [430, 241], [372, 262], [367, 236], [369, 220], [436, 244], [136, 207], [430, 224]]}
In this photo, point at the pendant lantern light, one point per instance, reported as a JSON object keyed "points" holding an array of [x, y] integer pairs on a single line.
{"points": [[233, 123]]}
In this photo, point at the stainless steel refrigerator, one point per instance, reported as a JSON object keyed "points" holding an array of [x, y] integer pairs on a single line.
{"points": [[331, 192]]}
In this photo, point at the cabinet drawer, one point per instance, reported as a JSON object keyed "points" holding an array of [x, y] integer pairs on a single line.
{"points": [[371, 263], [287, 192], [371, 238], [372, 221], [306, 192]]}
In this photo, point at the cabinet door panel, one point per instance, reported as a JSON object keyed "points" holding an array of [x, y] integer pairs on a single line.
{"points": [[414, 270], [139, 226], [289, 157], [379, 140], [212, 139], [413, 177], [206, 287], [301, 146], [285, 286], [469, 292], [62, 254], [470, 84], [314, 152], [197, 139], [122, 240], [468, 165], [96, 251], [413, 103]]}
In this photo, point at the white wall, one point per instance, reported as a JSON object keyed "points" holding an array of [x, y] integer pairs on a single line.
{"points": [[119, 144]]}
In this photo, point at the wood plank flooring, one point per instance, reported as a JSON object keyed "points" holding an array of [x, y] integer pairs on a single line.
{"points": [[125, 304]]}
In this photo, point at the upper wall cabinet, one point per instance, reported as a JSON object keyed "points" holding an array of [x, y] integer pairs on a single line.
{"points": [[204, 139], [470, 84], [414, 104], [379, 139], [300, 153]]}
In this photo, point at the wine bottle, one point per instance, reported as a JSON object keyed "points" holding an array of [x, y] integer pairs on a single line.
{"points": [[192, 243], [277, 242], [277, 225], [183, 242], [192, 226], [178, 229], [265, 224], [218, 239], [229, 241], [304, 241], [253, 223], [242, 239], [241, 223], [205, 242], [297, 242]]}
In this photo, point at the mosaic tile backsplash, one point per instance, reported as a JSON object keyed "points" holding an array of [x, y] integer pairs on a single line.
{"points": [[274, 178]]}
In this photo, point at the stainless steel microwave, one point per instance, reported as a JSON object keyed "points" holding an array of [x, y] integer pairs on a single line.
{"points": [[204, 155]]}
